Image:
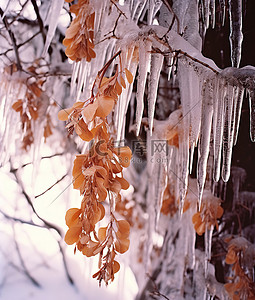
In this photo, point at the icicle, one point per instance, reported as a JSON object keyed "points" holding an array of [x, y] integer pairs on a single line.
{"points": [[208, 247], [223, 11], [192, 147], [238, 176], [76, 66], [218, 125], [236, 35], [206, 4], [229, 125], [170, 67], [183, 169], [151, 6], [55, 9], [212, 10], [81, 77], [238, 112], [144, 61], [252, 114], [138, 9], [156, 66], [206, 122]]}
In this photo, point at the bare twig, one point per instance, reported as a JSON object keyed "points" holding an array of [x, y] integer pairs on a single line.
{"points": [[26, 271], [40, 22], [21, 44], [29, 201], [156, 291], [119, 10], [174, 17], [48, 189], [20, 220], [112, 31], [13, 39]]}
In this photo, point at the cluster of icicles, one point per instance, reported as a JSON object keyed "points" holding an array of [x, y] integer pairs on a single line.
{"points": [[211, 99]]}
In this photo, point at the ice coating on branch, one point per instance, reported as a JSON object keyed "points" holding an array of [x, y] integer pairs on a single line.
{"points": [[153, 82], [55, 8], [236, 35], [144, 63]]}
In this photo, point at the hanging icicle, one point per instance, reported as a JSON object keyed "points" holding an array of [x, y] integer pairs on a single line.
{"points": [[236, 35]]}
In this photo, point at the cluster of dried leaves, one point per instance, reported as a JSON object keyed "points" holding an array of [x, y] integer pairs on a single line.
{"points": [[29, 105], [207, 217], [98, 175], [79, 38], [241, 255]]}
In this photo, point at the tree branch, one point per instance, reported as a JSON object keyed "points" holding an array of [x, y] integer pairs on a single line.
{"points": [[51, 186], [29, 201], [13, 39], [26, 272], [40, 22]]}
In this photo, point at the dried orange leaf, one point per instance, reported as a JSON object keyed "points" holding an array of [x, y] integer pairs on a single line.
{"points": [[72, 235], [123, 227], [124, 183], [115, 186], [118, 88], [129, 76], [78, 180], [101, 189], [220, 211], [72, 216], [105, 106], [122, 82], [82, 130], [35, 89], [231, 257], [101, 207], [72, 30], [124, 154], [196, 218], [122, 246], [17, 105], [89, 111], [102, 233], [64, 114], [115, 266]]}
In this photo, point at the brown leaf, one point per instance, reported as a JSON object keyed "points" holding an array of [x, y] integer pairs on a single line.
{"points": [[102, 233], [72, 235], [105, 106], [64, 114], [72, 216], [17, 106], [122, 81], [129, 76], [122, 245]]}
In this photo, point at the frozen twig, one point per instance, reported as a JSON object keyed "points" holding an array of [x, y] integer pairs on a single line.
{"points": [[22, 262], [13, 39], [59, 180], [40, 22]]}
